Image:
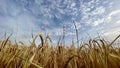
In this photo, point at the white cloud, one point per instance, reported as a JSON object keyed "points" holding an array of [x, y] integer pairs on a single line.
{"points": [[118, 22], [73, 4], [115, 12], [97, 22], [70, 34], [111, 33], [93, 13], [24, 16], [21, 27], [98, 10]]}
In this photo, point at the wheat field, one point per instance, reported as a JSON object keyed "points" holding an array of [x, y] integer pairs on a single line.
{"points": [[94, 54]]}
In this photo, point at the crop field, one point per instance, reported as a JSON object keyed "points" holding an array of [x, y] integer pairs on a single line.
{"points": [[59, 33], [94, 54]]}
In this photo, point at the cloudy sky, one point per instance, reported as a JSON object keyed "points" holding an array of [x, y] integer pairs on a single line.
{"points": [[23, 17]]}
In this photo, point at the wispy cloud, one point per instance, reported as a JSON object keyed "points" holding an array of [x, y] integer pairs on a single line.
{"points": [[112, 14], [22, 17]]}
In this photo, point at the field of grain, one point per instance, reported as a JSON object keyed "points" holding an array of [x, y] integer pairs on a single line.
{"points": [[94, 54]]}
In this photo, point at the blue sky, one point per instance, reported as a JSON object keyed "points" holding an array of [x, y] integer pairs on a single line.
{"points": [[23, 17]]}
